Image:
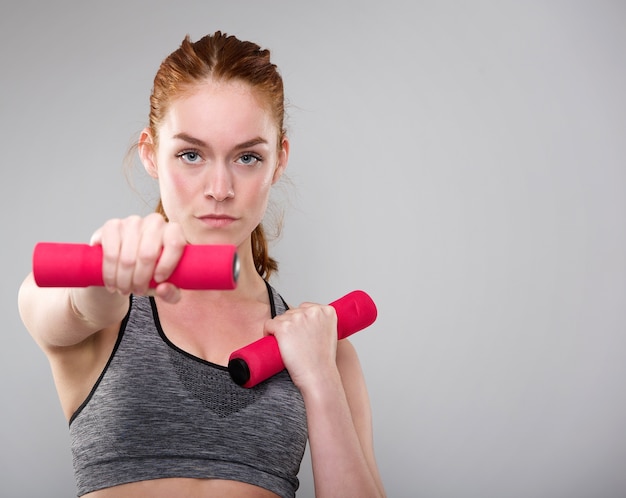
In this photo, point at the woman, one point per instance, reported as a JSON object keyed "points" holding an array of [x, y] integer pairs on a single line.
{"points": [[141, 373]]}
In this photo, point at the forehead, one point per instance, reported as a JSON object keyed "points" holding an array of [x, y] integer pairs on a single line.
{"points": [[218, 109]]}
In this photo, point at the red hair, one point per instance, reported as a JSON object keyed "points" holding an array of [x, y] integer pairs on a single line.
{"points": [[221, 57]]}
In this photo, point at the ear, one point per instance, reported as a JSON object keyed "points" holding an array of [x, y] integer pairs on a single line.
{"points": [[147, 152], [283, 159]]}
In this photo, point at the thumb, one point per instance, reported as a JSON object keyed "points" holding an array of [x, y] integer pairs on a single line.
{"points": [[96, 238]]}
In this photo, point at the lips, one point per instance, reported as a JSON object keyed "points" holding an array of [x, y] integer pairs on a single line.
{"points": [[217, 220]]}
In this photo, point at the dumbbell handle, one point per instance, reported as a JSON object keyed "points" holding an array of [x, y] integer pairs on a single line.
{"points": [[261, 359], [80, 265]]}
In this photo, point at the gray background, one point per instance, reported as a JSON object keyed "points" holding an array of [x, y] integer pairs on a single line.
{"points": [[463, 162]]}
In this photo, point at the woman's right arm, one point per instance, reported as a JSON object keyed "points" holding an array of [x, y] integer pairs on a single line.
{"points": [[135, 250], [77, 327], [59, 317]]}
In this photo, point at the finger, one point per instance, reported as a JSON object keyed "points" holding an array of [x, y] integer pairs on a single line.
{"points": [[168, 292], [173, 247], [130, 236], [96, 238], [108, 236], [269, 326], [148, 252]]}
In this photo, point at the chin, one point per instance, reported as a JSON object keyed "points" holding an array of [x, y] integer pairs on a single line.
{"points": [[215, 239]]}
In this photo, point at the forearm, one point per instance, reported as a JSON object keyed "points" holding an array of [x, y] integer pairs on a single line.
{"points": [[66, 316], [341, 466]]}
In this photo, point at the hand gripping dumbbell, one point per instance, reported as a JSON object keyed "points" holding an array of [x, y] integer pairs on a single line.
{"points": [[261, 359]]}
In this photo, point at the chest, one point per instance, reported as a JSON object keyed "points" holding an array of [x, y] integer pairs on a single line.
{"points": [[212, 333]]}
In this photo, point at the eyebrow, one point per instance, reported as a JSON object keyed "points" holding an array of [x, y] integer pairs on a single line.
{"points": [[189, 139], [200, 143]]}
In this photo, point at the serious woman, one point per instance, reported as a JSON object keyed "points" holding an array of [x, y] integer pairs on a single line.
{"points": [[141, 373]]}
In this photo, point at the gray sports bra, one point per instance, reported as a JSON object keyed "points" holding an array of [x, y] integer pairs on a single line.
{"points": [[157, 412]]}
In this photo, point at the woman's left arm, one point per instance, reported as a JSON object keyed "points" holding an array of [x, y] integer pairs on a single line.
{"points": [[329, 376], [340, 431]]}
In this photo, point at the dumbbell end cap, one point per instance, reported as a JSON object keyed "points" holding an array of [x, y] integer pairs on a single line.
{"points": [[239, 371]]}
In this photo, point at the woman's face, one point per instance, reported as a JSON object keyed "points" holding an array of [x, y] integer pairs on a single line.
{"points": [[218, 156]]}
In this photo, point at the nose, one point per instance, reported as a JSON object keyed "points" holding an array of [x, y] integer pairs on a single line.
{"points": [[219, 183]]}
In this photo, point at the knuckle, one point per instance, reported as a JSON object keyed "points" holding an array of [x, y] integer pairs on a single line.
{"points": [[127, 262], [154, 219], [174, 236], [109, 227], [147, 255], [131, 221]]}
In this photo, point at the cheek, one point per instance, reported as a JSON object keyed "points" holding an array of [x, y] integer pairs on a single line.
{"points": [[176, 191], [265, 184], [262, 188], [174, 181], [178, 183]]}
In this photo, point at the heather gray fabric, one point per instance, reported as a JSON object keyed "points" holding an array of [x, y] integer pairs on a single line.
{"points": [[159, 412]]}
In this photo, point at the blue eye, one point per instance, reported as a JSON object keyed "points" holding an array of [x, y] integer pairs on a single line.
{"points": [[190, 156], [249, 159]]}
